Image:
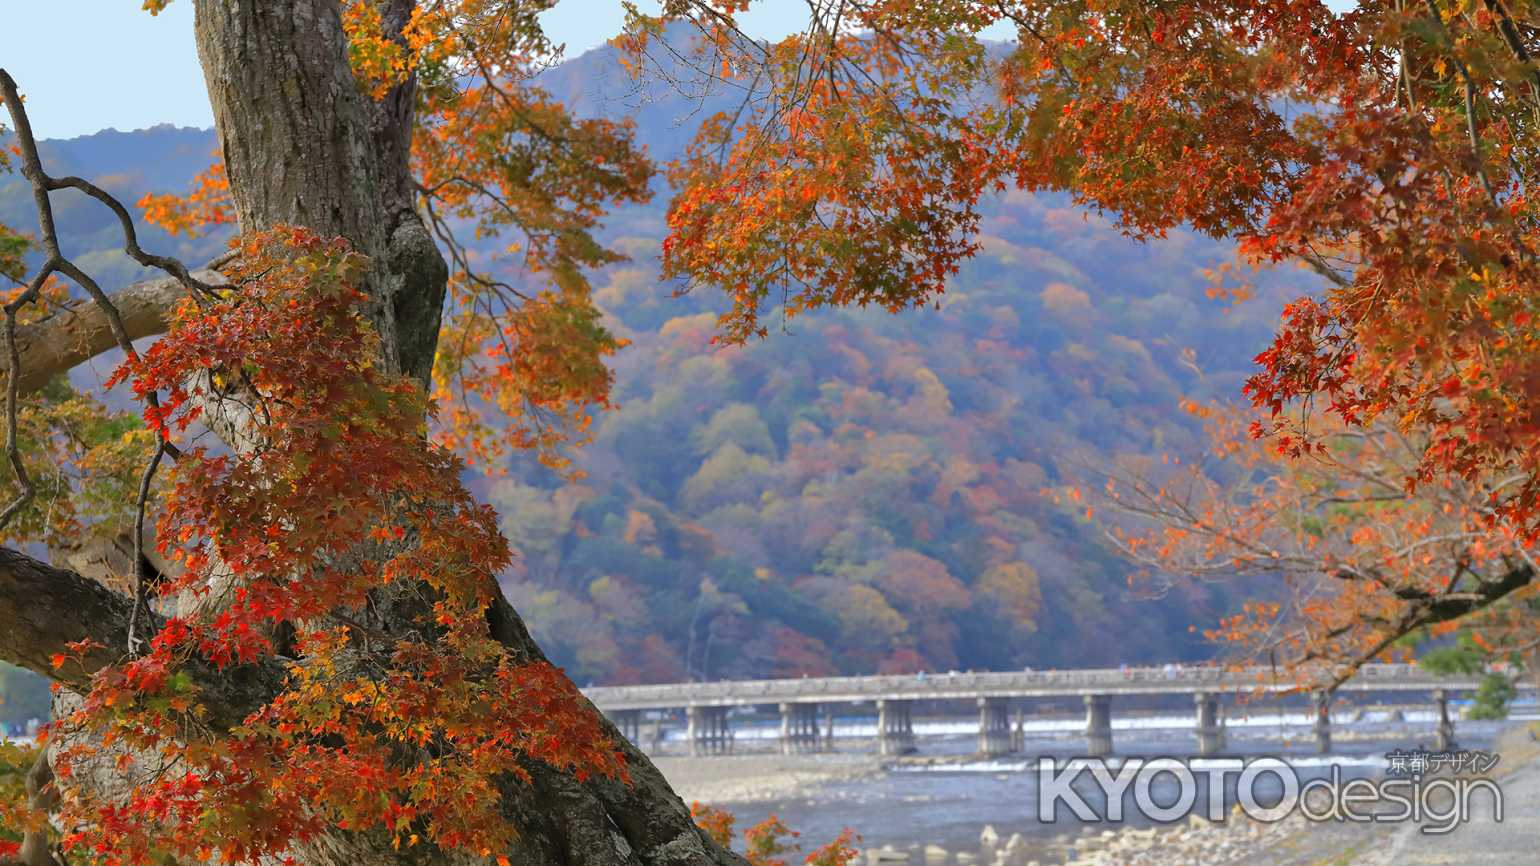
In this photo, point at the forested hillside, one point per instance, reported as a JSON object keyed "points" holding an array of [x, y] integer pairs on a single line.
{"points": [[864, 492], [859, 491]]}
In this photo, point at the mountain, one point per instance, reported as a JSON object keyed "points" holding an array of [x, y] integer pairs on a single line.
{"points": [[858, 492], [126, 164]]}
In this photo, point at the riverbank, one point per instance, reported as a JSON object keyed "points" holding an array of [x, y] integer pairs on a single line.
{"points": [[1484, 841], [929, 811], [1296, 841], [758, 777]]}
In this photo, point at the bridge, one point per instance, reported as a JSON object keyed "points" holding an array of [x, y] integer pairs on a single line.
{"points": [[706, 704]]}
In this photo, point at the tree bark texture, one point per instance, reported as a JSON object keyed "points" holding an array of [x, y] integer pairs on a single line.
{"points": [[304, 145], [79, 331]]}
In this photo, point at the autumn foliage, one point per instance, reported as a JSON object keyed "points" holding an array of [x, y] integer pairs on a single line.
{"points": [[282, 550], [1387, 148], [1383, 147], [1390, 149], [204, 206], [1356, 565], [765, 843]]}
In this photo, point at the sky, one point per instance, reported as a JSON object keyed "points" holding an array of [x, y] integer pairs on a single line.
{"points": [[127, 69]]}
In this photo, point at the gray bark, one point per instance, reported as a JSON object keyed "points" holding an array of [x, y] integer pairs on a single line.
{"points": [[43, 609], [79, 331], [304, 146]]}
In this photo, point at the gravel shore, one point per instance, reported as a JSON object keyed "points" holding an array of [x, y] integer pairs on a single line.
{"points": [[1482, 842], [754, 778], [1298, 842]]}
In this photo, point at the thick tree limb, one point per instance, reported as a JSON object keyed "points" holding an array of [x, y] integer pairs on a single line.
{"points": [[80, 331], [601, 821], [1429, 608], [44, 609]]}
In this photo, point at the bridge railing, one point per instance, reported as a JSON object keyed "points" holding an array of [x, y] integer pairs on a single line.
{"points": [[941, 682], [961, 684], [956, 685]]}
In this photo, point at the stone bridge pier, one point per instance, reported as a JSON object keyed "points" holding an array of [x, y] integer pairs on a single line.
{"points": [[995, 736], [708, 731], [1098, 725], [1323, 723], [1210, 724], [799, 728], [895, 728], [629, 722], [1444, 741]]}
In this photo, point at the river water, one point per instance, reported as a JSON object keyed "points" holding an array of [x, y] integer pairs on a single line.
{"points": [[948, 803]]}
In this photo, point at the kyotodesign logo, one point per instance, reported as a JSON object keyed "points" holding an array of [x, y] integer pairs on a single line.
{"points": [[1269, 789]]}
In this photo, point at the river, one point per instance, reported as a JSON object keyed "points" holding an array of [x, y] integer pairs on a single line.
{"points": [[948, 802]]}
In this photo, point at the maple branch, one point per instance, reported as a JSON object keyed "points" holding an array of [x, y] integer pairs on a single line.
{"points": [[55, 344], [44, 610], [1468, 92], [43, 185], [459, 254], [56, 262], [1515, 43], [141, 574], [1430, 608], [1324, 268]]}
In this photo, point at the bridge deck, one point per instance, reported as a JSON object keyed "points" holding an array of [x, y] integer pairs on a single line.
{"points": [[1011, 684]]}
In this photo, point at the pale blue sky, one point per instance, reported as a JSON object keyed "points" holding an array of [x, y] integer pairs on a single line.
{"points": [[128, 69]]}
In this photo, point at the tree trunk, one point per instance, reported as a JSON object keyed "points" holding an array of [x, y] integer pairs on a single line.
{"points": [[304, 146]]}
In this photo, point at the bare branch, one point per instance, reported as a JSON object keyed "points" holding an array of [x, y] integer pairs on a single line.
{"points": [[141, 576], [79, 331], [43, 185]]}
